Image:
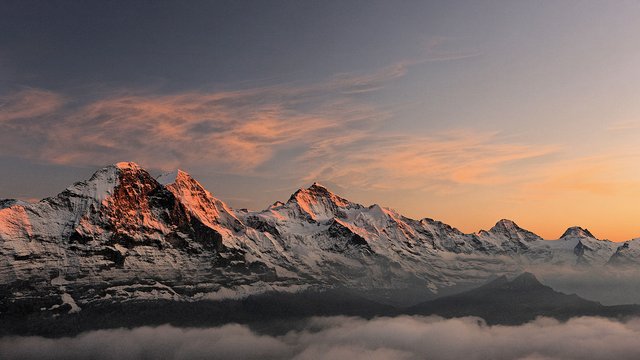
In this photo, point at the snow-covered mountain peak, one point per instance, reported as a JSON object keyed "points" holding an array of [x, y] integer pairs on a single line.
{"points": [[184, 186], [511, 230], [101, 184], [127, 165], [316, 193], [577, 232], [382, 212], [277, 204], [199, 201], [114, 174], [317, 185], [318, 203], [506, 223], [315, 190]]}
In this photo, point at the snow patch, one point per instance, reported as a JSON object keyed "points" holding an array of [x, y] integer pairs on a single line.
{"points": [[127, 165], [244, 291], [68, 299]]}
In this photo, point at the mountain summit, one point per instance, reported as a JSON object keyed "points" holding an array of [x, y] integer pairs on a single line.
{"points": [[125, 235], [577, 232], [511, 230], [317, 203], [200, 202]]}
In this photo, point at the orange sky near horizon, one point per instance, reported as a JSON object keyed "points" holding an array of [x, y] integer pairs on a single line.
{"points": [[465, 112]]}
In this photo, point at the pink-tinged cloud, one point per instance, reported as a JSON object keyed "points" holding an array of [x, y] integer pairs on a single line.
{"points": [[436, 162], [301, 132], [238, 131], [28, 104]]}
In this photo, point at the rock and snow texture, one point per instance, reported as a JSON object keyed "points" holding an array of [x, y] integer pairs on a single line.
{"points": [[124, 235], [120, 234]]}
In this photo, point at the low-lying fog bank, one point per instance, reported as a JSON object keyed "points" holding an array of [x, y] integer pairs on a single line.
{"points": [[606, 284], [402, 337]]}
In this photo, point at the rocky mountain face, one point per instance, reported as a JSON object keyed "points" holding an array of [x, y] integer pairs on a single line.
{"points": [[125, 235]]}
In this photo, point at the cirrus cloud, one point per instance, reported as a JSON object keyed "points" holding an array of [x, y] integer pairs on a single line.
{"points": [[295, 132], [301, 132], [28, 103]]}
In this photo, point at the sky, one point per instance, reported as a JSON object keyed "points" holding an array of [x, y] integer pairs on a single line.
{"points": [[462, 111]]}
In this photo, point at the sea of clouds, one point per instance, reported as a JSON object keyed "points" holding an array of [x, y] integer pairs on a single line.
{"points": [[403, 337]]}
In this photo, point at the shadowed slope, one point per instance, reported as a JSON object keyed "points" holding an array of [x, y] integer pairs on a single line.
{"points": [[504, 301]]}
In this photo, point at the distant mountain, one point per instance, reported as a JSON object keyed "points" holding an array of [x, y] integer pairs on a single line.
{"points": [[123, 235], [516, 301], [577, 232]]}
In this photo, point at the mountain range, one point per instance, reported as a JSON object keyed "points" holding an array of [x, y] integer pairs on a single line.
{"points": [[124, 235]]}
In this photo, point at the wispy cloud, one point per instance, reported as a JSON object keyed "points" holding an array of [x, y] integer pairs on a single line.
{"points": [[322, 130], [238, 130], [28, 103], [437, 162], [624, 125], [310, 134]]}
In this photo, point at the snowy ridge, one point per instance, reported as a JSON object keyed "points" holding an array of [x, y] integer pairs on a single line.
{"points": [[124, 235], [201, 203]]}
